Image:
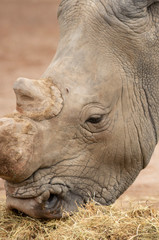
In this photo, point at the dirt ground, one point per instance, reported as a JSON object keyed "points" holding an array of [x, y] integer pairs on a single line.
{"points": [[28, 40]]}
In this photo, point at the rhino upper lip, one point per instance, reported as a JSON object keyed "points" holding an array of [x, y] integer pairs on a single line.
{"points": [[41, 191], [44, 198]]}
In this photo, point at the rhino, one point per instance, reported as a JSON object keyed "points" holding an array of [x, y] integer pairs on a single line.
{"points": [[87, 127]]}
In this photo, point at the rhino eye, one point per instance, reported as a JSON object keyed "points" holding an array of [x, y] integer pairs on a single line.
{"points": [[95, 119]]}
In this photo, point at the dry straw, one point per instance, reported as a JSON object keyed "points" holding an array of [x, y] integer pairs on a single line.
{"points": [[94, 222]]}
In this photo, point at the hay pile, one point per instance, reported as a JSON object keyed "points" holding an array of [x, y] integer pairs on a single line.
{"points": [[94, 222]]}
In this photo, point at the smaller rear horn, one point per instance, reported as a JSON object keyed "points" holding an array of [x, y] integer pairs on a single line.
{"points": [[37, 99]]}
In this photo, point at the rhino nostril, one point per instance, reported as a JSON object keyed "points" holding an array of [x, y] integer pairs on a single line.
{"points": [[52, 201]]}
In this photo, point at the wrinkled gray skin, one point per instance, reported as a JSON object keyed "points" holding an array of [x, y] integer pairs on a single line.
{"points": [[104, 124]]}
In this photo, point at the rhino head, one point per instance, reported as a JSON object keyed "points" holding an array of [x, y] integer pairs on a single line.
{"points": [[90, 124]]}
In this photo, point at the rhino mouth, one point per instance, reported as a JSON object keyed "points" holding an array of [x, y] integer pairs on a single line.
{"points": [[48, 205], [48, 209]]}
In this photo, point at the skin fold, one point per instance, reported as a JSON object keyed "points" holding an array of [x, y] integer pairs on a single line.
{"points": [[89, 125]]}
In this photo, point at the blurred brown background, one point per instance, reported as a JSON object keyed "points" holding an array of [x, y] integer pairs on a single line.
{"points": [[28, 40]]}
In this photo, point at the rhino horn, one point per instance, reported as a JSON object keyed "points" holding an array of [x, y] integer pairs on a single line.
{"points": [[37, 99], [16, 139]]}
